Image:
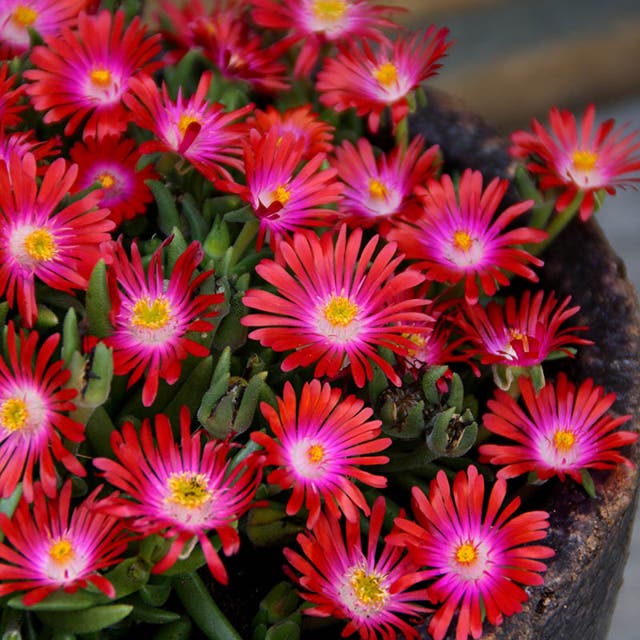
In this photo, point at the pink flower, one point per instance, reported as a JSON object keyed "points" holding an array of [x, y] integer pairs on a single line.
{"points": [[321, 446], [578, 159], [200, 131], [152, 318], [477, 561], [53, 547], [380, 189], [335, 304], [38, 243], [371, 588], [82, 76], [460, 238], [180, 489], [563, 430], [370, 81], [34, 425]]}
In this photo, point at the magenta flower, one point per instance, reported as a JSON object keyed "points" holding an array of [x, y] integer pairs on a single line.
{"points": [[34, 401], [477, 561], [579, 159], [53, 547], [84, 74], [370, 81], [563, 430], [335, 304], [370, 588], [522, 333], [381, 189], [152, 318], [321, 445], [460, 238], [181, 489], [38, 243], [200, 131]]}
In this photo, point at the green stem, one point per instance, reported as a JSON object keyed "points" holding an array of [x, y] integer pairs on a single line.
{"points": [[402, 134], [558, 224], [244, 239], [199, 604]]}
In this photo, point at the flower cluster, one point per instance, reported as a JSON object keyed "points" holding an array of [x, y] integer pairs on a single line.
{"points": [[249, 311]]}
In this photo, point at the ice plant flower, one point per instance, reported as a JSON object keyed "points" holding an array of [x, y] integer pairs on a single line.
{"points": [[50, 546], [151, 318], [461, 239], [376, 590], [562, 430], [10, 108], [321, 445], [181, 489], [19, 143], [371, 80], [335, 304], [317, 22], [111, 163], [46, 17], [200, 131], [477, 561], [34, 402], [81, 76], [524, 332], [284, 197], [312, 134], [579, 158], [37, 242], [380, 188]]}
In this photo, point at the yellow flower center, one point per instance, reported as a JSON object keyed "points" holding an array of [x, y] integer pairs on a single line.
{"points": [[151, 314], [13, 414], [329, 10], [377, 189], [281, 195], [564, 440], [367, 588], [185, 121], [188, 489], [315, 453], [24, 16], [340, 311], [518, 336], [466, 554], [40, 245], [462, 240], [100, 77], [386, 74], [584, 160], [61, 551], [107, 180]]}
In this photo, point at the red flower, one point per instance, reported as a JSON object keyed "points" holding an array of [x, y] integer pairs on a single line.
{"points": [[85, 74], [579, 159], [9, 98]]}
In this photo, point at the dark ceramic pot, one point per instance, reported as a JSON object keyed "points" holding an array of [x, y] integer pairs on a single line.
{"points": [[590, 536]]}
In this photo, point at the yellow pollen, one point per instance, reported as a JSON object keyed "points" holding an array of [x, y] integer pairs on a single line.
{"points": [[564, 440], [340, 311], [13, 414], [188, 489], [315, 453], [106, 180], [462, 240], [584, 160], [40, 245], [329, 10], [377, 189], [386, 74], [466, 553], [100, 77], [518, 336], [282, 195], [24, 16], [151, 315], [61, 551], [185, 121], [367, 587]]}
